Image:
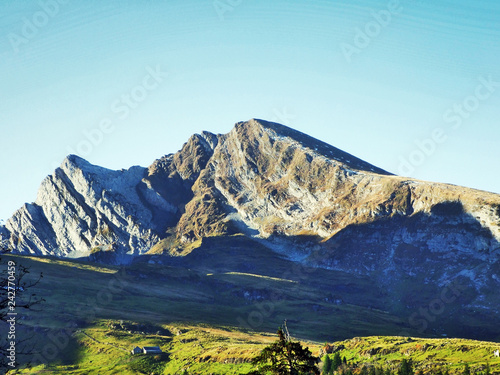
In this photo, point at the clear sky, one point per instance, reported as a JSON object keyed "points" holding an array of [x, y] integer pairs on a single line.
{"points": [[410, 86]]}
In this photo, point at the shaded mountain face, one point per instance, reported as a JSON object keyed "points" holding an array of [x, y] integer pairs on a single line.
{"points": [[302, 198]]}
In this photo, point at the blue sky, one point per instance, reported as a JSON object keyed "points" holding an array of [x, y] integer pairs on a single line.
{"points": [[410, 86]]}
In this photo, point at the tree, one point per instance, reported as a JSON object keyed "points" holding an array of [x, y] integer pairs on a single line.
{"points": [[14, 296], [337, 361], [466, 369], [285, 357], [327, 364]]}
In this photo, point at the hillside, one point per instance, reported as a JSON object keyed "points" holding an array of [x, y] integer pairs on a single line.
{"points": [[104, 349], [203, 317]]}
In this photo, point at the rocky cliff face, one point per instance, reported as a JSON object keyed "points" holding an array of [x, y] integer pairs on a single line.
{"points": [[83, 208], [298, 195]]}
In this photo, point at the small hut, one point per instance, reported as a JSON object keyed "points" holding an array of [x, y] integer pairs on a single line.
{"points": [[152, 350], [136, 350]]}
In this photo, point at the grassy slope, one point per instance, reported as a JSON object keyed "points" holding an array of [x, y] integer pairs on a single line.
{"points": [[84, 301], [103, 349], [428, 354], [77, 293]]}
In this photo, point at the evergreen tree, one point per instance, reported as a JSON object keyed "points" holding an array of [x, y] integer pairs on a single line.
{"points": [[371, 371], [488, 370], [337, 361], [466, 369], [327, 364], [344, 361], [286, 357]]}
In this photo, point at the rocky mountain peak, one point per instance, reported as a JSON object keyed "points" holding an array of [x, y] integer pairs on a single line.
{"points": [[75, 160], [257, 128], [262, 180]]}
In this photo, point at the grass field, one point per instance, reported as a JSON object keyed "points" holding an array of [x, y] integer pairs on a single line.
{"points": [[104, 348], [214, 318]]}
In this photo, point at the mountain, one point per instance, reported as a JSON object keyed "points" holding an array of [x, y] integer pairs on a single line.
{"points": [[216, 184], [264, 185]]}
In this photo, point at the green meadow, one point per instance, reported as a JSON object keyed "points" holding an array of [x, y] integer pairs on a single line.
{"points": [[211, 320]]}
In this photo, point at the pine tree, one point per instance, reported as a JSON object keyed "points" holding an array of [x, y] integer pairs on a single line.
{"points": [[337, 361], [286, 357], [466, 369], [488, 369], [327, 364]]}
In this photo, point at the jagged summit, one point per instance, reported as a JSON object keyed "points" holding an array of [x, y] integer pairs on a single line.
{"points": [[75, 159]]}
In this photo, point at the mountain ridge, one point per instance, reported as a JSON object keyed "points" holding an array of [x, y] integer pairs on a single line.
{"points": [[258, 178]]}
